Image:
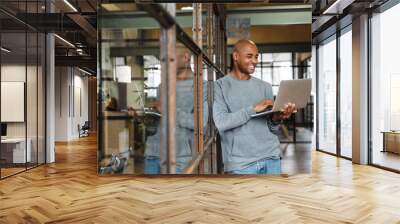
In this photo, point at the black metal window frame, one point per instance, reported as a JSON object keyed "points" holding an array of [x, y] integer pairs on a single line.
{"points": [[44, 78], [333, 37]]}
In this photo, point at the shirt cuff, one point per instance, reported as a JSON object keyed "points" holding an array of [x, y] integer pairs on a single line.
{"points": [[250, 110]]}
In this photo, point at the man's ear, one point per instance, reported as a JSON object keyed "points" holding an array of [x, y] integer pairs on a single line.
{"points": [[187, 57], [235, 56]]}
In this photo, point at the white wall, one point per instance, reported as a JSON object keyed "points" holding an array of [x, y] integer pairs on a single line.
{"points": [[33, 126], [71, 94]]}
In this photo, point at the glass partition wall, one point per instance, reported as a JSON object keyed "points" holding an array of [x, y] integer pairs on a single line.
{"points": [[155, 91], [346, 92], [385, 89], [22, 87], [334, 94], [327, 96]]}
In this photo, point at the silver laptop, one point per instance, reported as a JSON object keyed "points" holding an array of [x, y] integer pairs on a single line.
{"points": [[290, 91]]}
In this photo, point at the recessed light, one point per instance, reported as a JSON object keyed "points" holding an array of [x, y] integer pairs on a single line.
{"points": [[64, 40], [187, 8], [70, 5], [84, 71], [5, 50]]}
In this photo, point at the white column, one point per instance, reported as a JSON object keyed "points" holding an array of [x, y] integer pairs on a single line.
{"points": [[50, 101], [360, 90]]}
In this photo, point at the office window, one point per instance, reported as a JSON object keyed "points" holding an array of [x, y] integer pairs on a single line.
{"points": [[385, 84], [327, 96], [346, 93], [273, 68]]}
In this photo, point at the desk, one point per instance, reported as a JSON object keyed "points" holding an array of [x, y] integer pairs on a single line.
{"points": [[13, 150], [391, 141]]}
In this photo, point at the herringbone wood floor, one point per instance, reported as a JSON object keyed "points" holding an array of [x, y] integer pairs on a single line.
{"points": [[70, 191]]}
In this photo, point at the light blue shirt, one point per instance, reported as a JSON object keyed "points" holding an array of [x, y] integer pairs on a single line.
{"points": [[244, 140]]}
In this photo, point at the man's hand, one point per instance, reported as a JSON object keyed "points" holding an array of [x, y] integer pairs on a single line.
{"points": [[263, 104], [155, 105], [132, 112], [285, 113]]}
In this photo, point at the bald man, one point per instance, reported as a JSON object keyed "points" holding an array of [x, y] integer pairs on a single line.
{"points": [[249, 145]]}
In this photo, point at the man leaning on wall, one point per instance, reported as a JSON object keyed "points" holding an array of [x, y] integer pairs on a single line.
{"points": [[249, 145]]}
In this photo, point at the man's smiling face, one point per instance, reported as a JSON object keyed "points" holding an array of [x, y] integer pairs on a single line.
{"points": [[246, 58]]}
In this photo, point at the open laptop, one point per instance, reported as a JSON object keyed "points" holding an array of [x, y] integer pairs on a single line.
{"points": [[290, 91]]}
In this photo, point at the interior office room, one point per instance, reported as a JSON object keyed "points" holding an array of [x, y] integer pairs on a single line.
{"points": [[28, 56], [107, 111]]}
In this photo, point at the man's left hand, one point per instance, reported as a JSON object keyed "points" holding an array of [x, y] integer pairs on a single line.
{"points": [[286, 112]]}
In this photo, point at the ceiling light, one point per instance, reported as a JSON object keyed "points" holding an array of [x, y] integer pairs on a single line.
{"points": [[338, 6], [70, 5], [65, 41], [84, 71], [187, 8], [5, 50]]}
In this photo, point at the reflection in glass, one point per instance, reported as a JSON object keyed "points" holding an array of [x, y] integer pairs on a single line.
{"points": [[185, 142], [130, 93], [327, 97], [209, 76], [346, 94], [129, 81]]}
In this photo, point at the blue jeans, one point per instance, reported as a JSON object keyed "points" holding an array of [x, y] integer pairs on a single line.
{"points": [[265, 166], [152, 166]]}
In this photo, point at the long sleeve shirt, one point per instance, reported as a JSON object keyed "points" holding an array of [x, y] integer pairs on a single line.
{"points": [[244, 140]]}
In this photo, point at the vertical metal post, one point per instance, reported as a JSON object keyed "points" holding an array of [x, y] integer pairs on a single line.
{"points": [[223, 46], [99, 86], [316, 105], [369, 88], [294, 63], [217, 45], [210, 86], [198, 84], [168, 95], [26, 87], [37, 90], [217, 62], [0, 93], [338, 98]]}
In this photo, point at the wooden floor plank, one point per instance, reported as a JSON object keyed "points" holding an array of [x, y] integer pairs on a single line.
{"points": [[70, 191]]}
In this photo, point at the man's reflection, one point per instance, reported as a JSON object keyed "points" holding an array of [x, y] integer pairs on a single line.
{"points": [[184, 120]]}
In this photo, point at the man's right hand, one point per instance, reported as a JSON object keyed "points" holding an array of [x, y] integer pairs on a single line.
{"points": [[263, 104], [155, 105]]}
